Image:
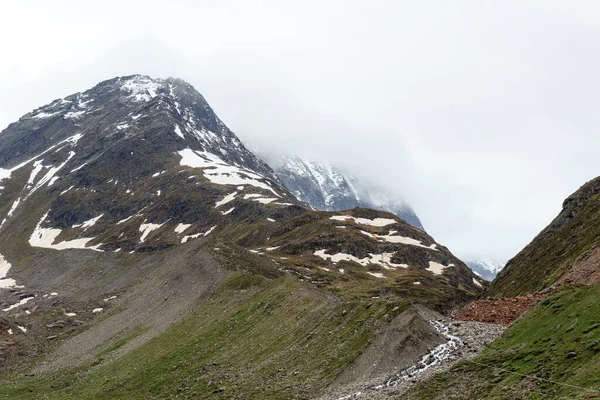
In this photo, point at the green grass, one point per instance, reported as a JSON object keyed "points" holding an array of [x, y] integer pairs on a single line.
{"points": [[558, 340], [255, 339], [121, 342]]}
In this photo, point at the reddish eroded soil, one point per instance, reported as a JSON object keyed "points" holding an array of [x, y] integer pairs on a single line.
{"points": [[505, 311], [499, 311], [585, 271]]}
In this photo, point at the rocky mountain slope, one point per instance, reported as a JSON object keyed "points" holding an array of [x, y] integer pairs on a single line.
{"points": [[145, 252], [485, 268], [561, 251], [325, 187], [552, 350]]}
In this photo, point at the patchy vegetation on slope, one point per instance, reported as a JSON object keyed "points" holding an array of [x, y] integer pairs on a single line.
{"points": [[572, 236], [256, 338], [367, 253]]}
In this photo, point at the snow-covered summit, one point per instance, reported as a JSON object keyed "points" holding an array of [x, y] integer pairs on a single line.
{"points": [[171, 108], [485, 267], [326, 187], [142, 88], [129, 147]]}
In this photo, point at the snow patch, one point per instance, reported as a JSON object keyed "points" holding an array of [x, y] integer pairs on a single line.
{"points": [[188, 237], [378, 222], [65, 191], [74, 114], [208, 232], [228, 211], [437, 268], [37, 167], [264, 200], [196, 235], [219, 172], [147, 228], [50, 174], [181, 228], [89, 222], [78, 168], [6, 173], [125, 220], [44, 114], [178, 132], [4, 267], [140, 88], [19, 304], [226, 199], [379, 259], [44, 237], [399, 239], [13, 207]]}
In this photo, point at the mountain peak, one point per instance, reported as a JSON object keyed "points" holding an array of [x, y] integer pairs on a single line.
{"points": [[325, 187], [486, 268], [170, 110], [141, 87], [131, 205]]}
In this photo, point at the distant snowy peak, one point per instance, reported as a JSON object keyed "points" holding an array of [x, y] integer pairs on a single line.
{"points": [[486, 268], [321, 186], [325, 187]]}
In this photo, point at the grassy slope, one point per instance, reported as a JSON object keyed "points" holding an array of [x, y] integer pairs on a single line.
{"points": [[257, 338], [558, 340]]}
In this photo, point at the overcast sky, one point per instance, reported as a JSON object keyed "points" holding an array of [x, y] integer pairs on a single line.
{"points": [[483, 115]]}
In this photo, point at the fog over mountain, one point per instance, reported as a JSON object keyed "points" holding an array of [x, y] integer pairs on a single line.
{"points": [[325, 187], [481, 119]]}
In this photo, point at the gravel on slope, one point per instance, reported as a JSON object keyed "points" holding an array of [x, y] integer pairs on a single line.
{"points": [[466, 339]]}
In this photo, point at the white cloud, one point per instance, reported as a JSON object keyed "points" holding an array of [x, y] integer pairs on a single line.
{"points": [[482, 114]]}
